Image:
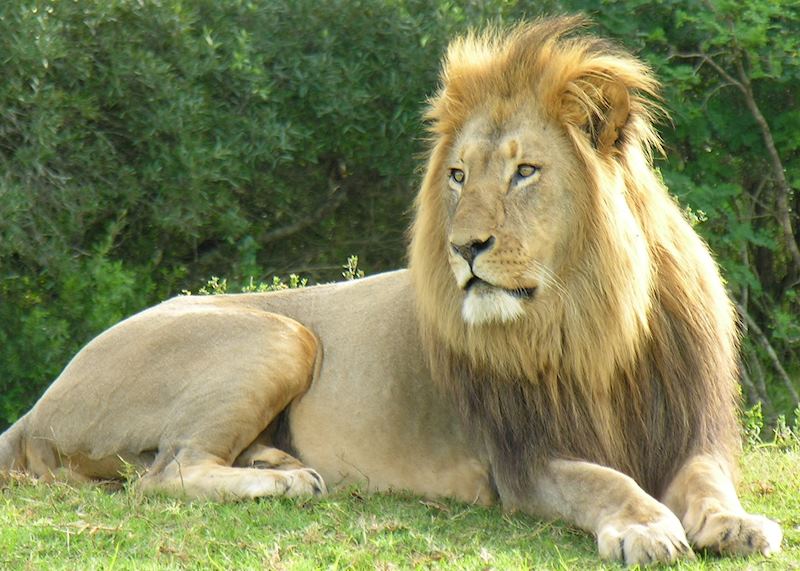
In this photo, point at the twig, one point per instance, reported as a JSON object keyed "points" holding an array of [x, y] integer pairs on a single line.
{"points": [[752, 394], [333, 200], [782, 197], [758, 376], [762, 339], [742, 83]]}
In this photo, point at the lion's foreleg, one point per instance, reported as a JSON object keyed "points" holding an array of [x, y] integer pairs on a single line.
{"points": [[630, 525], [703, 496]]}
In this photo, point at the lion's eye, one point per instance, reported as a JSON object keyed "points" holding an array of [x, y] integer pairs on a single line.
{"points": [[525, 171], [457, 176]]}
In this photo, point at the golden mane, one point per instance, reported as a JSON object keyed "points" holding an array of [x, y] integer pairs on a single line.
{"points": [[642, 327]]}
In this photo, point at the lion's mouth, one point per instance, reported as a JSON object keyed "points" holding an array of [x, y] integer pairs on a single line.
{"points": [[519, 293]]}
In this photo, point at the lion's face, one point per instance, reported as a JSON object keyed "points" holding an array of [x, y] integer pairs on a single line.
{"points": [[511, 212]]}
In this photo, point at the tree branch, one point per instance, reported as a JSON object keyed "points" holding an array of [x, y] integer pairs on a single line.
{"points": [[743, 84], [762, 339], [333, 202], [334, 199], [784, 190], [752, 394]]}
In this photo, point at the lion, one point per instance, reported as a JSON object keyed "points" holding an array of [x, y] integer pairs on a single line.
{"points": [[561, 342]]}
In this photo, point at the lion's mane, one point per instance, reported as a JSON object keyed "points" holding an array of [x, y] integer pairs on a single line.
{"points": [[633, 365]]}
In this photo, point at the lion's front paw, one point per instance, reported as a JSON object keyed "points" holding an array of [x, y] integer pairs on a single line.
{"points": [[737, 534], [659, 540]]}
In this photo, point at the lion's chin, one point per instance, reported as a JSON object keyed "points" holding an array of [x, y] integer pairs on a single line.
{"points": [[487, 304]]}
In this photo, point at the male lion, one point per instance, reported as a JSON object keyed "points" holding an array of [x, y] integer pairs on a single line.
{"points": [[562, 341]]}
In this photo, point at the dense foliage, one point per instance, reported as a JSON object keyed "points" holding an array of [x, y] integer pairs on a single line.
{"points": [[145, 146]]}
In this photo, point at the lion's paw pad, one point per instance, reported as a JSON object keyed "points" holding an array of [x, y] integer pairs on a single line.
{"points": [[738, 534], [659, 541]]}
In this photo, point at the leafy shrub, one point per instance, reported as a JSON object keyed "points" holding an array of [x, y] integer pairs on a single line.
{"points": [[147, 145]]}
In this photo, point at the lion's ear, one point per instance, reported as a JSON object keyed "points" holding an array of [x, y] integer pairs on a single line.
{"points": [[598, 106]]}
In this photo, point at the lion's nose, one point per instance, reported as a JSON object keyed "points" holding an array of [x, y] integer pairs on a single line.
{"points": [[471, 249]]}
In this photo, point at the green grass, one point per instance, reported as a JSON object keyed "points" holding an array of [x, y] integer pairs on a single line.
{"points": [[59, 526]]}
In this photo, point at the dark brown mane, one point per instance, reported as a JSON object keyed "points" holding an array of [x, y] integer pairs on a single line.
{"points": [[660, 411]]}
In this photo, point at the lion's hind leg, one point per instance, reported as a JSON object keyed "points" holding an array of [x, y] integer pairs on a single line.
{"points": [[265, 457], [197, 474], [702, 495], [248, 372]]}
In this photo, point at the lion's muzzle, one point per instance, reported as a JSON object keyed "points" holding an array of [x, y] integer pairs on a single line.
{"points": [[470, 250]]}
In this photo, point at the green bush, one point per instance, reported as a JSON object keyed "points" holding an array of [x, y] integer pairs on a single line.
{"points": [[145, 146]]}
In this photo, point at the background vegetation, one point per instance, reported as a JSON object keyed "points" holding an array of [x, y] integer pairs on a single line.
{"points": [[146, 146]]}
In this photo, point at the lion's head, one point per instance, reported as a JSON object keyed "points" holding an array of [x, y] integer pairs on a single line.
{"points": [[523, 209], [546, 254]]}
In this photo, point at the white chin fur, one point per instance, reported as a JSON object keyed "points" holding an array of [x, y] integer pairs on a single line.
{"points": [[487, 306]]}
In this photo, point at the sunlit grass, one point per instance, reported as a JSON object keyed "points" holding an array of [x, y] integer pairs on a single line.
{"points": [[58, 526]]}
